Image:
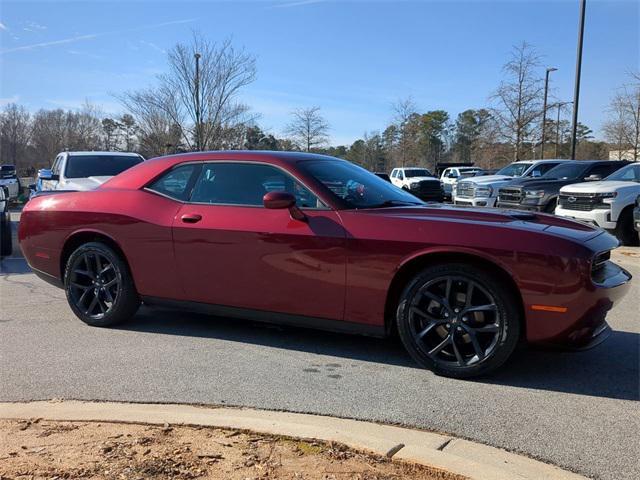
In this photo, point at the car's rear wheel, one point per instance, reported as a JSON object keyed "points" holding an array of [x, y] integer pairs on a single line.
{"points": [[99, 286], [458, 320]]}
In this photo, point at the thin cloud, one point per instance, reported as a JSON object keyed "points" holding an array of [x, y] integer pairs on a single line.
{"points": [[7, 100], [297, 4], [153, 45], [3, 26], [91, 36]]}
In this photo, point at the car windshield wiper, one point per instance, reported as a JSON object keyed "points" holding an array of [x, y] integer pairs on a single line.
{"points": [[393, 203]]}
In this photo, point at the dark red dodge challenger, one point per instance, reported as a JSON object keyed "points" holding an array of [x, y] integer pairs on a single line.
{"points": [[311, 240]]}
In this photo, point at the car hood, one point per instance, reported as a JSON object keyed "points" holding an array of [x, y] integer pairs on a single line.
{"points": [[83, 184], [600, 187], [539, 183], [487, 179], [517, 219]]}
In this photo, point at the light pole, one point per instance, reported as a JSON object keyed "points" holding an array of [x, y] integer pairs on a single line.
{"points": [[197, 88], [559, 105], [544, 108], [576, 90]]}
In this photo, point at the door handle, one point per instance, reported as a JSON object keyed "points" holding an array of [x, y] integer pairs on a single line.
{"points": [[191, 218]]}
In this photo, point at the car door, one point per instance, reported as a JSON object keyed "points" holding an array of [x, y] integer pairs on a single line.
{"points": [[232, 251]]}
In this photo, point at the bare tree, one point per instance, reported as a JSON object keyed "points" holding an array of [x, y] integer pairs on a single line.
{"points": [[199, 93], [518, 98], [403, 112], [623, 126], [15, 132], [308, 128]]}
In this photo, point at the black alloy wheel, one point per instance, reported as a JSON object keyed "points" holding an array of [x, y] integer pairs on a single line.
{"points": [[458, 321], [98, 285]]}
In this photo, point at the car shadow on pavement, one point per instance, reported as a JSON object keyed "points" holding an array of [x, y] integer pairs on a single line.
{"points": [[610, 370]]}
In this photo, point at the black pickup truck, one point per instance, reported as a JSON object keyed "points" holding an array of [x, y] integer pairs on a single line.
{"points": [[541, 194]]}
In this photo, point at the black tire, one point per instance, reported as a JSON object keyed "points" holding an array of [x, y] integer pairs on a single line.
{"points": [[6, 241], [551, 206], [99, 286], [424, 324], [624, 230]]}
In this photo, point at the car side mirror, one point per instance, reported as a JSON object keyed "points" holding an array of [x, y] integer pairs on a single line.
{"points": [[593, 178], [283, 200], [46, 174]]}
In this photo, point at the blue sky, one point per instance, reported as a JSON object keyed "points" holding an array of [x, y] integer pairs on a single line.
{"points": [[351, 58]]}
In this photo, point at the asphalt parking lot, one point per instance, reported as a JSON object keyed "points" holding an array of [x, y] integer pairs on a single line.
{"points": [[577, 410]]}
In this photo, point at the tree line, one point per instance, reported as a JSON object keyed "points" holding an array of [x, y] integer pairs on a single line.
{"points": [[196, 105]]}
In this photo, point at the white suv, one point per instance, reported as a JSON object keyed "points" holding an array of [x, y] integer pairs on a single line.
{"points": [[608, 203], [483, 191], [418, 181], [85, 170]]}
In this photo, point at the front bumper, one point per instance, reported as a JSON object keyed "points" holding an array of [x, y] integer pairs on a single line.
{"points": [[598, 217], [584, 324], [520, 206], [475, 202]]}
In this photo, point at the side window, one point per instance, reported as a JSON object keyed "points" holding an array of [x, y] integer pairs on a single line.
{"points": [[394, 174], [603, 170], [541, 169], [176, 183], [246, 184], [401, 174]]}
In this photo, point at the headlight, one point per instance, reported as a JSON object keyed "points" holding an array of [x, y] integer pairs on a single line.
{"points": [[484, 191], [414, 185], [607, 195], [534, 193]]}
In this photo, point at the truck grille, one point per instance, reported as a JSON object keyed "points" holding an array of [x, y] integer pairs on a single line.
{"points": [[465, 189], [427, 189], [584, 202], [510, 195]]}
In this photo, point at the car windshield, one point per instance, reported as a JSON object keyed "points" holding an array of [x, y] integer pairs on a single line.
{"points": [[83, 166], [7, 171], [417, 172], [357, 187], [630, 173], [566, 171], [514, 170]]}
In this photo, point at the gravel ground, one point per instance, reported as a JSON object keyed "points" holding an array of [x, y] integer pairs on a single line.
{"points": [[577, 410]]}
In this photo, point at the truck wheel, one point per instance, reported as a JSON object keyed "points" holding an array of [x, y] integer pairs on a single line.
{"points": [[624, 230]]}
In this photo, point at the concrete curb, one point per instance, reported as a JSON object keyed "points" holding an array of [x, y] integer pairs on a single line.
{"points": [[457, 456]]}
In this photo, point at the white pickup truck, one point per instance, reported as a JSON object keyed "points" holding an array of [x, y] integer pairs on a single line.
{"points": [[608, 203], [483, 191], [85, 170], [9, 181]]}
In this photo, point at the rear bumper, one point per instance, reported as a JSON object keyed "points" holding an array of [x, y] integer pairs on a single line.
{"points": [[598, 217]]}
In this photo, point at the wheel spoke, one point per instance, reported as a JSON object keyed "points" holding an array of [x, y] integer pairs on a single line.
{"points": [[480, 308], [447, 291], [491, 328], [107, 294], [467, 299], [111, 283], [459, 358], [438, 348], [105, 269], [83, 296], [429, 327], [96, 258], [476, 345], [92, 305], [423, 314], [81, 287], [443, 302]]}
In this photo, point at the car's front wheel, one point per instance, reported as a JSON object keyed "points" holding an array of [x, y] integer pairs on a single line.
{"points": [[458, 320], [99, 286]]}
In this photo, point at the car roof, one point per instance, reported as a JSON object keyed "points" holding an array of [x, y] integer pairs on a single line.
{"points": [[128, 154]]}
